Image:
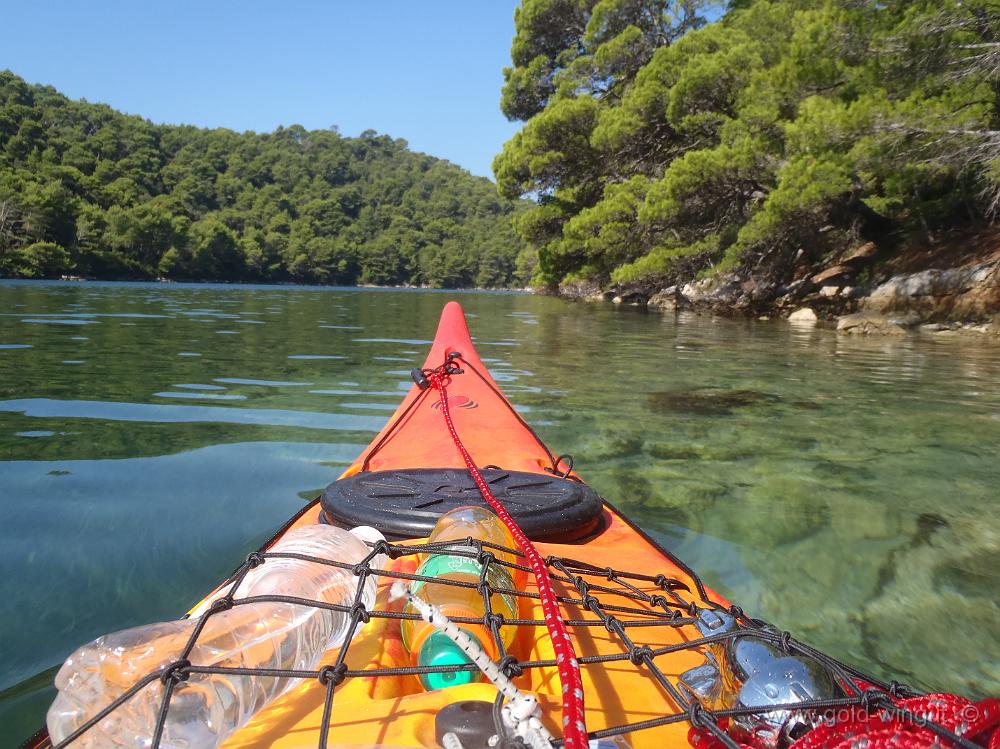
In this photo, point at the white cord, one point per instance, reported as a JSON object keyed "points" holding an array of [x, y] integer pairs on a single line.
{"points": [[521, 713]]}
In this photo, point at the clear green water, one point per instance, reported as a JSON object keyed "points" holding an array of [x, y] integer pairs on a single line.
{"points": [[152, 435]]}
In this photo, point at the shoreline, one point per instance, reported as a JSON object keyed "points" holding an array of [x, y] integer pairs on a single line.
{"points": [[949, 287], [944, 302], [275, 284]]}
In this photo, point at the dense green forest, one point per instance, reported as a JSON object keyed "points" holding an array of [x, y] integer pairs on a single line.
{"points": [[90, 191], [661, 147]]}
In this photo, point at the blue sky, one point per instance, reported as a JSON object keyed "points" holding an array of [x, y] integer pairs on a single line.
{"points": [[429, 72]]}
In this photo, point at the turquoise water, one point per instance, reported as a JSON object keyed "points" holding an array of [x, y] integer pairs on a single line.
{"points": [[152, 435]]}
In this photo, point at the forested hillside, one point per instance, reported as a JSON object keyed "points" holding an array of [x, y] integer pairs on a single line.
{"points": [[663, 148], [90, 191]]}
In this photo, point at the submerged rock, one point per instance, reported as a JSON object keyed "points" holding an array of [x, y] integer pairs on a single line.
{"points": [[869, 324], [713, 450], [780, 510], [633, 485], [668, 451], [962, 329], [708, 401], [807, 405], [692, 495], [943, 581], [603, 445], [831, 469]]}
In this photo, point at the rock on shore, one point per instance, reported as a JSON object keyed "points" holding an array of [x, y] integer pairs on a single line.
{"points": [[803, 316], [964, 298], [869, 324], [967, 293]]}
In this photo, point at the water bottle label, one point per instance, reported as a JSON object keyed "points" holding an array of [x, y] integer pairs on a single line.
{"points": [[440, 565]]}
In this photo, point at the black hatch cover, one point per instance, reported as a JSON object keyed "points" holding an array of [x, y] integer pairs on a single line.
{"points": [[406, 503]]}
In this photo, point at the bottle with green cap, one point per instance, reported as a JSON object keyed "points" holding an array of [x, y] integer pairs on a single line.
{"points": [[429, 646]]}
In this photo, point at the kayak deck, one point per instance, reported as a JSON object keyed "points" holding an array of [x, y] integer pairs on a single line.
{"points": [[632, 634]]}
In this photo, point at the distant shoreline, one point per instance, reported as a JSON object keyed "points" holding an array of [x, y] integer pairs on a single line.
{"points": [[263, 284]]}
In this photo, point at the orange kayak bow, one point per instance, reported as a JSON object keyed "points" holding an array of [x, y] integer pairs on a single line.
{"points": [[395, 711]]}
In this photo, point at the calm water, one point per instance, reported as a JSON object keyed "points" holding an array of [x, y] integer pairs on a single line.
{"points": [[152, 435]]}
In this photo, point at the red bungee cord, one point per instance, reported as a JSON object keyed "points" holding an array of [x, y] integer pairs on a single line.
{"points": [[904, 728], [977, 722], [574, 723]]}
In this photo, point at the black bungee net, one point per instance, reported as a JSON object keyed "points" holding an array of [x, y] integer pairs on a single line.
{"points": [[633, 610], [613, 599]]}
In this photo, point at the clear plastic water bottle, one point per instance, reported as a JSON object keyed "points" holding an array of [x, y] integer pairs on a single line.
{"points": [[483, 524], [426, 645], [207, 708]]}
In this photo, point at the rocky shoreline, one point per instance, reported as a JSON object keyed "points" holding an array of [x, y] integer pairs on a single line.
{"points": [[854, 294]]}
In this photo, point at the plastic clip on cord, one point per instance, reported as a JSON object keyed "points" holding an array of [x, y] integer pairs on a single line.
{"points": [[574, 724], [521, 713]]}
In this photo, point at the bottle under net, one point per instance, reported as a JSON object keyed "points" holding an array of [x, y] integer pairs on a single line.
{"points": [[207, 708], [428, 646]]}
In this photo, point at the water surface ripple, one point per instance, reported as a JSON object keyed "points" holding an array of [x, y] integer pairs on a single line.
{"points": [[844, 489]]}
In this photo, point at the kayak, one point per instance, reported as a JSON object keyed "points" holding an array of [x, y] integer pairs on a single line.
{"points": [[652, 645]]}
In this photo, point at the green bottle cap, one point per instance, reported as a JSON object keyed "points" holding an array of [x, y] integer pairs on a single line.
{"points": [[440, 650]]}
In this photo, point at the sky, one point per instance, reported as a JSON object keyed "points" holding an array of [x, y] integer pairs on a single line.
{"points": [[429, 72]]}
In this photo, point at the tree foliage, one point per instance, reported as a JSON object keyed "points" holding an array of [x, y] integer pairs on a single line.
{"points": [[658, 145], [88, 190]]}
